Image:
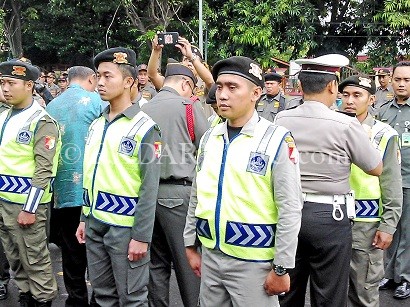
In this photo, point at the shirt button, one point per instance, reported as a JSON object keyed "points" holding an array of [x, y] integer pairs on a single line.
{"points": [[399, 111], [397, 124]]}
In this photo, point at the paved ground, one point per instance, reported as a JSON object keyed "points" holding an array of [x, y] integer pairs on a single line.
{"points": [[175, 300]]}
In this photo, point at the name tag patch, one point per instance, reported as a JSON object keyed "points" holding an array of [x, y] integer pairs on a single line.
{"points": [[258, 163], [24, 137], [405, 139], [127, 146]]}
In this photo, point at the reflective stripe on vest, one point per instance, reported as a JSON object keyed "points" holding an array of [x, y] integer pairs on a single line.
{"points": [[367, 208], [111, 193], [367, 187], [17, 163], [248, 233]]}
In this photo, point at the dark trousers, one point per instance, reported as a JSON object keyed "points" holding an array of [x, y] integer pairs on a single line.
{"points": [[168, 248], [65, 222], [323, 255], [4, 267]]}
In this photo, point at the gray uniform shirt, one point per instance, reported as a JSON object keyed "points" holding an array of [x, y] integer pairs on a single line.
{"points": [[168, 110], [390, 184], [285, 183], [383, 95], [3, 107], [328, 142], [268, 107], [397, 116]]}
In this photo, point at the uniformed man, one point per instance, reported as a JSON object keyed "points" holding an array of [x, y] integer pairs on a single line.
{"points": [[328, 143], [74, 109], [378, 199], [182, 123], [246, 202], [384, 92], [144, 85], [29, 149], [192, 58], [121, 174], [4, 264], [272, 101], [214, 119], [396, 113]]}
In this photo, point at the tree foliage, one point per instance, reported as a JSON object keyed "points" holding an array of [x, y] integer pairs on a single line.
{"points": [[73, 31]]}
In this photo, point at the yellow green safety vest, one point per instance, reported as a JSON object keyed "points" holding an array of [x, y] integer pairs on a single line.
{"points": [[111, 168], [236, 211], [214, 120], [17, 163], [366, 187]]}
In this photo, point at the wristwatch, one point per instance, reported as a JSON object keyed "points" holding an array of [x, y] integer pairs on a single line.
{"points": [[279, 270], [194, 57]]}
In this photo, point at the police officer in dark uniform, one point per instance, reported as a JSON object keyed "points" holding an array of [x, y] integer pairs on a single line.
{"points": [[272, 101], [328, 143], [182, 123]]}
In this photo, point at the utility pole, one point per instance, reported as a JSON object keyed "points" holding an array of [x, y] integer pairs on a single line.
{"points": [[201, 35]]}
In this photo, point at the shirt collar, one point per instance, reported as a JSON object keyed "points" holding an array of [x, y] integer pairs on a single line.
{"points": [[248, 128], [369, 120], [399, 105], [130, 112]]}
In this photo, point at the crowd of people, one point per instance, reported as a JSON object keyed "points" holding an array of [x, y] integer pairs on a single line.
{"points": [[215, 174]]}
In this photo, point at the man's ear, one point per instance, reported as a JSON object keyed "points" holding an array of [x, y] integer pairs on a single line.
{"points": [[256, 93], [332, 87], [129, 81]]}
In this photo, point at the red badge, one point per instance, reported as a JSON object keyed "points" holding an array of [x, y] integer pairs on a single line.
{"points": [[19, 71], [292, 151], [157, 149], [50, 142]]}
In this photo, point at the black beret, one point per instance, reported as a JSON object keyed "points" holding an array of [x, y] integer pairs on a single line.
{"points": [[273, 76], [240, 66], [19, 69], [359, 81], [211, 97], [118, 55], [177, 69]]}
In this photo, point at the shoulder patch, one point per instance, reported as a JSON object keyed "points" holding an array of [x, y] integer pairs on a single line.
{"points": [[292, 150]]}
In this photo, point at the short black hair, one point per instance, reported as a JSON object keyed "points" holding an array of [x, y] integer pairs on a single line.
{"points": [[128, 71], [315, 83], [401, 64]]}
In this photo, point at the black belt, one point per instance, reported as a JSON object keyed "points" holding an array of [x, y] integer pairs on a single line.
{"points": [[176, 182]]}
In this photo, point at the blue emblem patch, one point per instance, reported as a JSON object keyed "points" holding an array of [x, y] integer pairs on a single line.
{"points": [[127, 146], [24, 137], [257, 163]]}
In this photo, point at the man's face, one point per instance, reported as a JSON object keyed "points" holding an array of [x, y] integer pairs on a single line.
{"points": [[50, 79], [16, 91], [401, 81], [384, 80], [272, 87], [111, 84], [235, 96], [42, 78], [356, 100], [62, 83], [142, 77]]}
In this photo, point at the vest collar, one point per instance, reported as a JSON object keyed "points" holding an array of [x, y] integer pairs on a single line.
{"points": [[248, 128]]}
